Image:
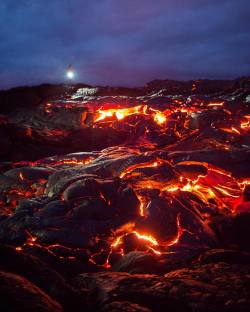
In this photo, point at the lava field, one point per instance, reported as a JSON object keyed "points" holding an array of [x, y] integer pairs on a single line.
{"points": [[121, 199]]}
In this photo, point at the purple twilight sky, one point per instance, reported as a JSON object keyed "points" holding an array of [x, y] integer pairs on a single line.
{"points": [[123, 42]]}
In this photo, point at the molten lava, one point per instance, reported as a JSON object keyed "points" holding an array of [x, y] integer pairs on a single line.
{"points": [[159, 171], [119, 114]]}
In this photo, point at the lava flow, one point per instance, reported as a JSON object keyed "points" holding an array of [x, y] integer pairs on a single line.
{"points": [[110, 115], [165, 171]]}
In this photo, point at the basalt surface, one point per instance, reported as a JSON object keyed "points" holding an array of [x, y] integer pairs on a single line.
{"points": [[118, 199]]}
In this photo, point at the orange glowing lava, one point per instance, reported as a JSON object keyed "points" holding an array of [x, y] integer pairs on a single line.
{"points": [[214, 104], [119, 114], [130, 169]]}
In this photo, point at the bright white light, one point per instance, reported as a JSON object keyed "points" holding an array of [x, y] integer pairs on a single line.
{"points": [[70, 74]]}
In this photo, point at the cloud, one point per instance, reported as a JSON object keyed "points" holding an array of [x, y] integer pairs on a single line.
{"points": [[122, 41]]}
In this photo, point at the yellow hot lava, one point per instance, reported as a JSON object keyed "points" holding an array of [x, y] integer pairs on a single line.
{"points": [[120, 113]]}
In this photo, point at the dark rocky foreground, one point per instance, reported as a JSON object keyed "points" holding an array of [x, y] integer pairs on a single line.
{"points": [[118, 199]]}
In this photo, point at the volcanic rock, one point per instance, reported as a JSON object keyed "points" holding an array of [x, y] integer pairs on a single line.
{"points": [[18, 294], [186, 289]]}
